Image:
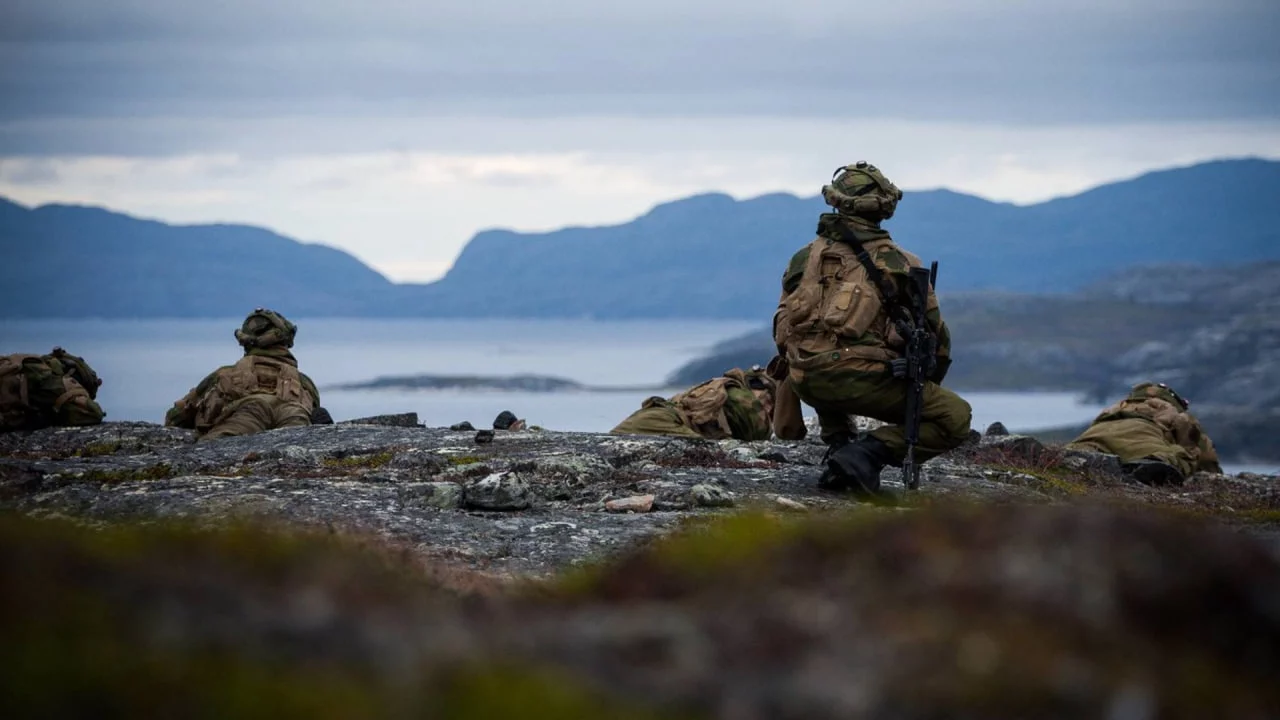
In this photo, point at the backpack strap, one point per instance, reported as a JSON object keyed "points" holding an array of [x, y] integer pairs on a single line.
{"points": [[71, 389], [888, 291], [12, 365]]}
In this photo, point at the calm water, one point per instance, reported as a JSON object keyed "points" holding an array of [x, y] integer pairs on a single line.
{"points": [[147, 364]]}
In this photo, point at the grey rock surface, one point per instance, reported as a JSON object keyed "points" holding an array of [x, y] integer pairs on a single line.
{"points": [[525, 503], [409, 419]]}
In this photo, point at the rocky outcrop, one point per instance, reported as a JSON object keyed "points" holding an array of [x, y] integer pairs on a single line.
{"points": [[982, 611], [362, 569], [523, 502]]}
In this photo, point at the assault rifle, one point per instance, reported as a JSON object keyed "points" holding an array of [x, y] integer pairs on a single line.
{"points": [[918, 362]]}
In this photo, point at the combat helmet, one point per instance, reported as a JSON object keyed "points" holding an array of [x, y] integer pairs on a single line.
{"points": [[1145, 390], [266, 329], [861, 190], [75, 367]]}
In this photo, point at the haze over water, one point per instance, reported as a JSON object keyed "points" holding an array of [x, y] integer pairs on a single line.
{"points": [[147, 364]]}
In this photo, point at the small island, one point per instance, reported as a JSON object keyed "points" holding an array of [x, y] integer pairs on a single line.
{"points": [[492, 383]]}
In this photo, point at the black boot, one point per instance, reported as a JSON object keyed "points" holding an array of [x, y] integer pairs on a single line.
{"points": [[834, 443], [856, 466], [1150, 471]]}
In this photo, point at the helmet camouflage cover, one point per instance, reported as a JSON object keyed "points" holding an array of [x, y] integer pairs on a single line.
{"points": [[1145, 390], [863, 191], [265, 329], [75, 366]]}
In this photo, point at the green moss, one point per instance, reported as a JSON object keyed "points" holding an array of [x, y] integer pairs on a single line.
{"points": [[1054, 481], [512, 691], [98, 449], [150, 472], [464, 460], [723, 543], [79, 621], [374, 460], [1262, 515]]}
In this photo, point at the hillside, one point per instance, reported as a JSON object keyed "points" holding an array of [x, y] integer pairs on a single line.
{"points": [[703, 256], [68, 261], [1211, 333], [712, 256], [363, 571]]}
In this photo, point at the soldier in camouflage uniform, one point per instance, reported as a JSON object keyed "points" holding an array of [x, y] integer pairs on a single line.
{"points": [[737, 405], [834, 329], [263, 391], [1155, 437], [39, 391]]}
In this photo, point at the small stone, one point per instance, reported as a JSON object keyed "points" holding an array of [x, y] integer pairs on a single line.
{"points": [[444, 495], [774, 455], [499, 491], [710, 496], [635, 503], [742, 454], [506, 420], [1019, 446], [1093, 463], [786, 503], [995, 429], [484, 437], [463, 426]]}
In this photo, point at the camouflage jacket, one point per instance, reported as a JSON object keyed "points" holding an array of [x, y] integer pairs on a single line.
{"points": [[799, 331], [196, 409], [40, 391], [747, 416], [1179, 426], [738, 404]]}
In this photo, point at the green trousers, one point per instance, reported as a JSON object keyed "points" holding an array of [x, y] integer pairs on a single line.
{"points": [[838, 393], [1134, 439], [658, 416], [258, 413]]}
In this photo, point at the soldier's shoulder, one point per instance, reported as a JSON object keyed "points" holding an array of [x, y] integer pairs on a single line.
{"points": [[891, 257]]}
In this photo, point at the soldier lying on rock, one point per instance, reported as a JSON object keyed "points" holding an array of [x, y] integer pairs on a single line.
{"points": [[737, 405], [1155, 437], [39, 391], [263, 391]]}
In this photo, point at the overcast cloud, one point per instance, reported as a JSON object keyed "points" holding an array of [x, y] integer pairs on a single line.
{"points": [[397, 129]]}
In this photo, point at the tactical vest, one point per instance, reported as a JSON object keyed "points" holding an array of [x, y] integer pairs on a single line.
{"points": [[251, 375], [16, 410], [836, 303], [703, 405], [1179, 428]]}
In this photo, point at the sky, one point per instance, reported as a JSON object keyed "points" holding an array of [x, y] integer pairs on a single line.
{"points": [[396, 129]]}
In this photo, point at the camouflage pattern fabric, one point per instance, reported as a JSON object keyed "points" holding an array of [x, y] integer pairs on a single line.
{"points": [[221, 395], [1151, 423], [264, 329], [788, 416], [657, 416], [861, 190], [834, 327], [258, 413], [41, 391], [746, 412], [748, 417], [840, 389], [798, 335]]}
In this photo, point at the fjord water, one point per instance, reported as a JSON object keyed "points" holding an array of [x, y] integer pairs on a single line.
{"points": [[147, 364]]}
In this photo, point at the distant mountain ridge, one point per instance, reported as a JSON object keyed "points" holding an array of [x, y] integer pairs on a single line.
{"points": [[72, 261], [706, 256]]}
